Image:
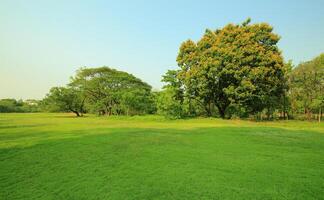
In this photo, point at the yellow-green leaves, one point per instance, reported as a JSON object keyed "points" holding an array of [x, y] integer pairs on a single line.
{"points": [[236, 64]]}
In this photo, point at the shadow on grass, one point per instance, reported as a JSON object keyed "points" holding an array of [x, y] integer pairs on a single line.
{"points": [[21, 126], [31, 137], [236, 162], [68, 116]]}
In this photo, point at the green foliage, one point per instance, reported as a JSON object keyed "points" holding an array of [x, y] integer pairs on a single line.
{"points": [[238, 64], [307, 87], [168, 105], [104, 91], [66, 99], [137, 101], [10, 105], [13, 105]]}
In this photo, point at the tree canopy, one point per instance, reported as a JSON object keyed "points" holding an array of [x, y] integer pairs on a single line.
{"points": [[104, 91], [307, 87], [66, 99], [236, 65]]}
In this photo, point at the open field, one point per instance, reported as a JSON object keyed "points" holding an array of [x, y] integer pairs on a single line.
{"points": [[58, 156]]}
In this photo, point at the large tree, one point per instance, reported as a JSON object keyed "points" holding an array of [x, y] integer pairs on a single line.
{"points": [[109, 91], [238, 64]]}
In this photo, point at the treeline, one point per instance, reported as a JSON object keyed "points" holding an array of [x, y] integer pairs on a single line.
{"points": [[19, 106], [306, 89], [301, 97], [238, 71], [234, 72]]}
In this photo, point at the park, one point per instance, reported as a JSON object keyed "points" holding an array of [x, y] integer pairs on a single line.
{"points": [[158, 100]]}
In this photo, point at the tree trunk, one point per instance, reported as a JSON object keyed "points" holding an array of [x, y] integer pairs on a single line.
{"points": [[208, 110], [76, 112], [308, 114], [284, 110], [221, 111], [319, 115], [81, 107], [268, 114], [222, 114]]}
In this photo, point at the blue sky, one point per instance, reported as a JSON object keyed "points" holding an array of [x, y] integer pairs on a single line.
{"points": [[43, 42]]}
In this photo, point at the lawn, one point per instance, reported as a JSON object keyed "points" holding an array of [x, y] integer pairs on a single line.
{"points": [[58, 156]]}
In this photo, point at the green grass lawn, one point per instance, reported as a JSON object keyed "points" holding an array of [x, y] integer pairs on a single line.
{"points": [[58, 156]]}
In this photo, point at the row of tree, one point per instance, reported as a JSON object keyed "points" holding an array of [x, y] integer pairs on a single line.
{"points": [[236, 71]]}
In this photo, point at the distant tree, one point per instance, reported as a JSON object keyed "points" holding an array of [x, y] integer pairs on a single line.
{"points": [[173, 82], [19, 106], [168, 105], [186, 105], [238, 64], [31, 105], [137, 101], [10, 105], [307, 87], [66, 99], [284, 99]]}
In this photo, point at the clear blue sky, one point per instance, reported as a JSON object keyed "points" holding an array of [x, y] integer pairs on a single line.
{"points": [[43, 42]]}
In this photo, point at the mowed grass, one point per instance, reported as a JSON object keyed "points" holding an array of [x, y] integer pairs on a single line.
{"points": [[58, 156]]}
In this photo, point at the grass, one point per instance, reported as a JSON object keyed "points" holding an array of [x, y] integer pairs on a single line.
{"points": [[58, 156]]}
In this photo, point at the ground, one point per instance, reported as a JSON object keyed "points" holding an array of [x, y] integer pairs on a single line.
{"points": [[58, 156]]}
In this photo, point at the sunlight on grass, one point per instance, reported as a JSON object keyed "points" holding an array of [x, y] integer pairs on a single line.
{"points": [[29, 129], [58, 156]]}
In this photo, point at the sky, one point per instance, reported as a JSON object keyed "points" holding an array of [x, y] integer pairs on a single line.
{"points": [[43, 42]]}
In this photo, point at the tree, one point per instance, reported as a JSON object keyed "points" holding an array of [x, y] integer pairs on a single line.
{"points": [[172, 82], [66, 99], [168, 105], [284, 99], [13, 105], [112, 92], [307, 87], [31, 105], [137, 101], [10, 105], [238, 64]]}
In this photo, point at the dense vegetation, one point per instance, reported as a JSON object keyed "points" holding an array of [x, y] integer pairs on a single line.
{"points": [[57, 156], [233, 72], [238, 71]]}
